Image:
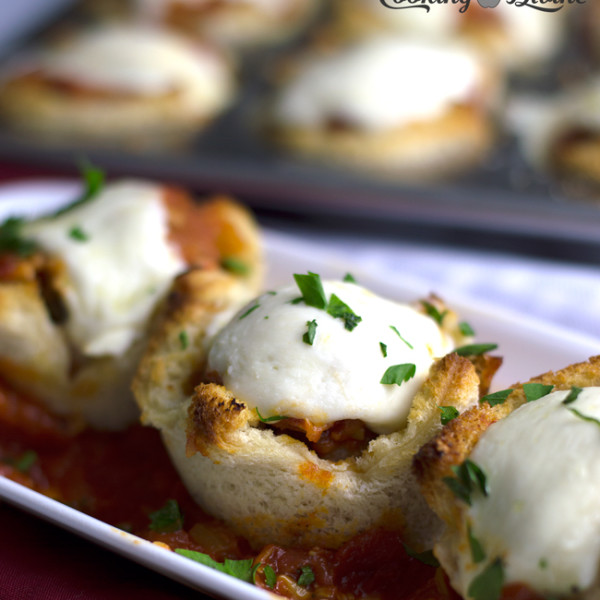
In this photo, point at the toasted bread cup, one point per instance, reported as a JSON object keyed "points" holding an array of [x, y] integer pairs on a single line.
{"points": [[266, 482], [520, 519], [340, 104], [118, 85], [50, 343], [231, 24]]}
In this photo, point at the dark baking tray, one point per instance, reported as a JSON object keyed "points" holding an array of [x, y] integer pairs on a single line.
{"points": [[503, 204]]}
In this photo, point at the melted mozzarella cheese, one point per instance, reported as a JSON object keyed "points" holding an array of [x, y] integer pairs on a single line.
{"points": [[262, 358], [542, 515], [143, 61], [380, 83], [116, 274]]}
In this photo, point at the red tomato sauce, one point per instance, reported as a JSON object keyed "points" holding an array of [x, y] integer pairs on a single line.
{"points": [[121, 478]]}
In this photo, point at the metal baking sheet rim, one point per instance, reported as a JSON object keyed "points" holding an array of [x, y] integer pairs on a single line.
{"points": [[296, 188]]}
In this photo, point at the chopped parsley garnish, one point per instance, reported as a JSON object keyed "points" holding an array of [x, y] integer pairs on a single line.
{"points": [[240, 569], [26, 461], [433, 312], [78, 234], [469, 477], [477, 551], [167, 519], [543, 564], [12, 240], [93, 179], [309, 336], [312, 290], [184, 340], [398, 374], [306, 576], [466, 329], [535, 391], [271, 293], [475, 349], [349, 278], [448, 413], [427, 557], [496, 398], [489, 583], [585, 417], [395, 330], [252, 308], [235, 265], [340, 310], [383, 349], [573, 395], [313, 294], [269, 419], [270, 576]]}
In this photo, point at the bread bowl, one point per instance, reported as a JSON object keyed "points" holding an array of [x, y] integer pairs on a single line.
{"points": [[432, 118], [230, 23], [516, 38], [264, 417], [78, 289], [117, 84], [529, 523]]}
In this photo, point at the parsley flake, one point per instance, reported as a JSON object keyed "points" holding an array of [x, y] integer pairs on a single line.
{"points": [[12, 240], [489, 583], [395, 330], [469, 477], [427, 557], [235, 265], [26, 461], [573, 395], [349, 278], [270, 576], [312, 289], [306, 576], [535, 391], [78, 234], [184, 340], [477, 551], [466, 329], [167, 519], [383, 349], [475, 349], [433, 312], [398, 374], [585, 417], [240, 569], [496, 398], [251, 309], [309, 336], [448, 414], [93, 179], [269, 419], [340, 310], [543, 564]]}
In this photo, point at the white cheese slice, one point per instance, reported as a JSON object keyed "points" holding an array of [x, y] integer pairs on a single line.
{"points": [[380, 83], [119, 263], [262, 358], [542, 515]]}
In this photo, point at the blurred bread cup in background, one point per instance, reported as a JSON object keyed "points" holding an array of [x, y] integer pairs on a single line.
{"points": [[117, 85], [231, 23], [515, 38], [400, 107]]}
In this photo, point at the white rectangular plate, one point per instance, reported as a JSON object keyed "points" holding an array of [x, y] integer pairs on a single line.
{"points": [[529, 348]]}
